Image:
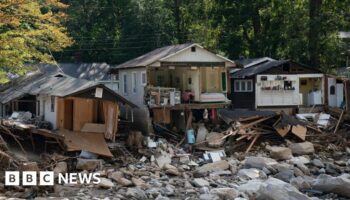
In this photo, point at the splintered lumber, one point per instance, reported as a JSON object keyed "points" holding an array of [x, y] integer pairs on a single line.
{"points": [[252, 143], [299, 131], [7, 131], [338, 123], [255, 122]]}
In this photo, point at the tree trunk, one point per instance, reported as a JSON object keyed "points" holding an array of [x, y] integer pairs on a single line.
{"points": [[314, 32]]}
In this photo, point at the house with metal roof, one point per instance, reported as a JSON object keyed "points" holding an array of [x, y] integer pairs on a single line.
{"points": [[175, 78], [63, 101], [270, 83]]}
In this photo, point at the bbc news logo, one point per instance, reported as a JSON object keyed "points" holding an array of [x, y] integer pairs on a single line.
{"points": [[47, 178]]}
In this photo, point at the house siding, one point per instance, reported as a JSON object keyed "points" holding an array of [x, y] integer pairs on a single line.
{"points": [[45, 109]]}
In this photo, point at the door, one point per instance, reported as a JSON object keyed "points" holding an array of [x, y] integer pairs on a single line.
{"points": [[68, 114]]}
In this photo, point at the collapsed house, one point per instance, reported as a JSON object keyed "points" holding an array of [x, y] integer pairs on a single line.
{"points": [[170, 80], [268, 84], [62, 107]]}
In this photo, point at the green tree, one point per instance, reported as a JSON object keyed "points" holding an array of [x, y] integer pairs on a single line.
{"points": [[29, 30]]}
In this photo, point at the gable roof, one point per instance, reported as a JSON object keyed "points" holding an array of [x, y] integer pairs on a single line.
{"points": [[158, 55], [248, 62], [88, 71], [256, 69], [52, 84]]}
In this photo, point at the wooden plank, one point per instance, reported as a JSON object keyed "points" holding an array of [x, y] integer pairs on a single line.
{"points": [[338, 123], [94, 128], [252, 143], [83, 113], [91, 142], [161, 115], [283, 131], [254, 123], [299, 131]]}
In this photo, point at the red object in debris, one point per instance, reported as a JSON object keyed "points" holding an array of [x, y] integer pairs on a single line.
{"points": [[187, 95]]}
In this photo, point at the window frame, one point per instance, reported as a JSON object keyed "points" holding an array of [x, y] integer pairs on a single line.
{"points": [[134, 82], [143, 81], [125, 83], [245, 83], [52, 103]]}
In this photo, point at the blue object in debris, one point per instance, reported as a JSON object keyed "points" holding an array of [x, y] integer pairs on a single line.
{"points": [[190, 136]]}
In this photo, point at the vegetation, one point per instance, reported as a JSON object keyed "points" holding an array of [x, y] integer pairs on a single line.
{"points": [[114, 31]]}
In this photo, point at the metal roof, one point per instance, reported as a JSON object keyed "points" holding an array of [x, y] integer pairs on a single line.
{"points": [[256, 69], [248, 62]]}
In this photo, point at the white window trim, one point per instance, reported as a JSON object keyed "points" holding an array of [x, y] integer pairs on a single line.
{"points": [[240, 85], [143, 83], [125, 83], [134, 82]]}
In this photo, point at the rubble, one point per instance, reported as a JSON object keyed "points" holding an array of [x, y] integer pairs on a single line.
{"points": [[338, 185], [280, 153], [211, 167], [302, 148]]}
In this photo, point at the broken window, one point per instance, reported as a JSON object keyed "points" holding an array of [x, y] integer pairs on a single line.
{"points": [[288, 85]]}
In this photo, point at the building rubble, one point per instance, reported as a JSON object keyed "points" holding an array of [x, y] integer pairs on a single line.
{"points": [[258, 155]]}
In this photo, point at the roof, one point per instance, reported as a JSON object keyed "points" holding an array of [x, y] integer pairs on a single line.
{"points": [[344, 34], [51, 84], [248, 62], [256, 69], [157, 55], [88, 71]]}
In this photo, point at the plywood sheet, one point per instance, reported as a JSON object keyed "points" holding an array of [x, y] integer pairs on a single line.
{"points": [[83, 113], [92, 142], [299, 131], [94, 128], [161, 115], [283, 131]]}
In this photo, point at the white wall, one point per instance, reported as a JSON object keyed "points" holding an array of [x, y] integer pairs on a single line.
{"points": [[335, 100], [134, 97], [282, 97], [45, 109]]}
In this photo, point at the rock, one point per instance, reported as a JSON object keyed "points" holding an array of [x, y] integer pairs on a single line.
{"points": [[225, 193], [259, 162], [199, 182], [136, 193], [171, 170], [211, 167], [61, 167], [106, 183], [215, 140], [221, 173], [209, 197], [300, 159], [118, 177], [301, 182], [139, 182], [251, 187], [65, 191], [160, 197], [275, 189], [298, 172], [204, 190], [169, 190], [302, 148], [318, 163], [88, 164], [251, 173], [339, 185], [285, 175], [162, 159], [188, 185], [280, 153], [303, 168], [322, 171]]}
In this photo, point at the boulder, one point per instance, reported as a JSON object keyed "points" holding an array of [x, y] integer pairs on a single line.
{"points": [[285, 175], [119, 178], [199, 182], [225, 193], [339, 185], [106, 183], [302, 148], [280, 153], [251, 187], [88, 164], [211, 167], [251, 173], [275, 189], [136, 193], [300, 159], [318, 163], [139, 183], [209, 197], [259, 162], [302, 182], [162, 159]]}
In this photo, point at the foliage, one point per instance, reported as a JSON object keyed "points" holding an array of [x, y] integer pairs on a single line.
{"points": [[28, 30]]}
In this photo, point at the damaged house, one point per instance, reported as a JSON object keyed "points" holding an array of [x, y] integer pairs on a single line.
{"points": [[174, 79], [56, 101], [268, 84]]}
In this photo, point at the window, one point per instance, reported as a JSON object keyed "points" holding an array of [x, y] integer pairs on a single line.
{"points": [[52, 104], [134, 82], [193, 49], [223, 81], [125, 87], [243, 85], [114, 77], [190, 81], [332, 90], [143, 78]]}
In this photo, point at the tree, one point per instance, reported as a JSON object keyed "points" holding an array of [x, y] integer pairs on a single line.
{"points": [[29, 31]]}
